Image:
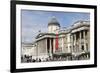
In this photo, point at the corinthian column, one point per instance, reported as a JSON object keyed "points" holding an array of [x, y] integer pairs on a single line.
{"points": [[50, 47], [62, 44], [71, 43], [75, 43], [84, 40], [54, 45], [46, 47], [80, 48]]}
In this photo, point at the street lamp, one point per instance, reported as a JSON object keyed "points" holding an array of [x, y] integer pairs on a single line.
{"points": [[36, 46]]}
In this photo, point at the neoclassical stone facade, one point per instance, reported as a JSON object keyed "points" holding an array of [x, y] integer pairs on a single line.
{"points": [[80, 38], [73, 42]]}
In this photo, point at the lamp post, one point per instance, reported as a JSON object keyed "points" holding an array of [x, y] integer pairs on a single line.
{"points": [[37, 50], [36, 46]]}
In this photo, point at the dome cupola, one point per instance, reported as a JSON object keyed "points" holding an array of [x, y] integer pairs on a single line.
{"points": [[53, 25], [53, 21]]}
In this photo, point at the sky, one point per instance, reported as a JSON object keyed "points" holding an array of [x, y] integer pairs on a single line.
{"points": [[33, 21]]}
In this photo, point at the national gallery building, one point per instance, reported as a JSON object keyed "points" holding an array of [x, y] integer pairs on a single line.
{"points": [[72, 43]]}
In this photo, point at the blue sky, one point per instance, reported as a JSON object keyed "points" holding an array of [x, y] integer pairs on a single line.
{"points": [[33, 21]]}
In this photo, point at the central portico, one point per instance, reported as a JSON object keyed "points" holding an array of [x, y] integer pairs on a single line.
{"points": [[46, 42]]}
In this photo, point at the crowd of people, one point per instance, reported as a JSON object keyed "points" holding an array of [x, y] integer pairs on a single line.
{"points": [[28, 59]]}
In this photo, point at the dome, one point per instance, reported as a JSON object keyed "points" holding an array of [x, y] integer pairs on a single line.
{"points": [[53, 21]]}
